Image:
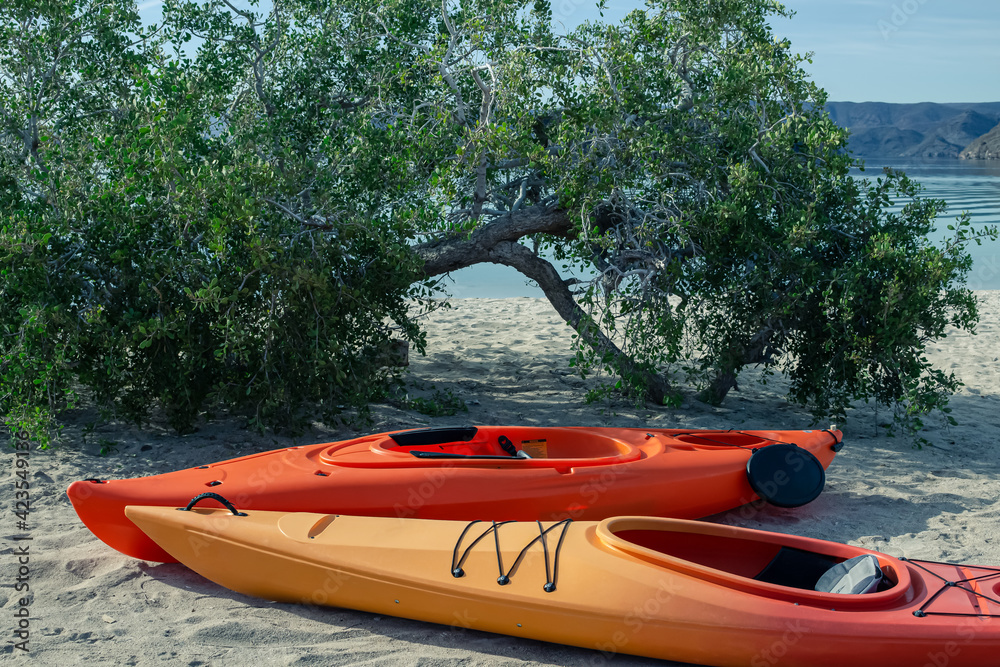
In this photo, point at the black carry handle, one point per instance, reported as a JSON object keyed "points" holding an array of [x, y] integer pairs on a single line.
{"points": [[213, 496], [434, 436], [449, 455]]}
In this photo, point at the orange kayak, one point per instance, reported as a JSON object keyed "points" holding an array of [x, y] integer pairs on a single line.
{"points": [[503, 472], [666, 588]]}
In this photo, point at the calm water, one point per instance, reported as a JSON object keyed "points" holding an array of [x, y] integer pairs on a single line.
{"points": [[967, 185]]}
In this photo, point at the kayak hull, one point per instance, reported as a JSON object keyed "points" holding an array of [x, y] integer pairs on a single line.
{"points": [[577, 473], [623, 585]]}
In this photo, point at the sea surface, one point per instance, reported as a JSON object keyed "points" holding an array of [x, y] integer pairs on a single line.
{"points": [[967, 185]]}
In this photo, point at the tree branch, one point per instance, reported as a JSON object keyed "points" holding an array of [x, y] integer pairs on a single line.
{"points": [[496, 242], [515, 255], [456, 252]]}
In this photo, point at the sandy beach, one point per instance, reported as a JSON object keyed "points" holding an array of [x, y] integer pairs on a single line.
{"points": [[507, 360]]}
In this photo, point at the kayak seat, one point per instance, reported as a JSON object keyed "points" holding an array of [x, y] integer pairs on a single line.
{"points": [[796, 568], [854, 576]]}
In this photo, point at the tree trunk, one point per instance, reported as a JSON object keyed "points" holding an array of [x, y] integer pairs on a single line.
{"points": [[717, 390], [757, 350], [496, 242]]}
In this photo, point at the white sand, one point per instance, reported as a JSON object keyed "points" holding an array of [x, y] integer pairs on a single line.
{"points": [[509, 359]]}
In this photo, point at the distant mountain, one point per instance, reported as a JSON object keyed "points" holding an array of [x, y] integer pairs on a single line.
{"points": [[883, 140], [926, 129], [986, 147]]}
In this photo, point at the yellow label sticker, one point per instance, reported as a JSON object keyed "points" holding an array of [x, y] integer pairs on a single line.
{"points": [[536, 449]]}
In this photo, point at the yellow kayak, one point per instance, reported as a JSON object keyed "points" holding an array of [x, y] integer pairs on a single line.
{"points": [[665, 588]]}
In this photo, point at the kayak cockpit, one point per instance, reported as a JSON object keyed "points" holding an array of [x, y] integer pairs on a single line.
{"points": [[761, 563], [722, 439], [508, 446]]}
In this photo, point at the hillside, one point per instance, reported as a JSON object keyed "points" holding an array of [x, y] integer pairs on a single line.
{"points": [[986, 147], [925, 129]]}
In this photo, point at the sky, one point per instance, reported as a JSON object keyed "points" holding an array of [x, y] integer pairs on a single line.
{"points": [[901, 50], [864, 50], [879, 50]]}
